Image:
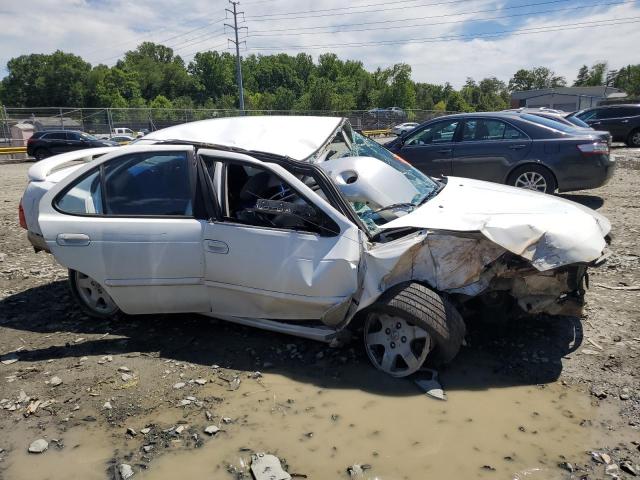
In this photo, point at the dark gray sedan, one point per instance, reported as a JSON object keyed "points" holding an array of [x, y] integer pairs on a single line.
{"points": [[517, 149]]}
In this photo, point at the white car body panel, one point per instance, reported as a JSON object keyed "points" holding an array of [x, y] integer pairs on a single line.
{"points": [[546, 230], [163, 265], [296, 137]]}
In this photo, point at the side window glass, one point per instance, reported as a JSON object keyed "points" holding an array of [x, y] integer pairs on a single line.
{"points": [[481, 129], [56, 136], [511, 133], [441, 132], [148, 184], [256, 196], [84, 197], [73, 136], [588, 115]]}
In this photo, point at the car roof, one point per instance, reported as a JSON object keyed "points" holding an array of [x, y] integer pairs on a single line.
{"points": [[296, 137], [635, 105]]}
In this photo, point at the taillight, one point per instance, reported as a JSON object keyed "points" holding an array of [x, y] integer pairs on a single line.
{"points": [[30, 140], [21, 217], [595, 148]]}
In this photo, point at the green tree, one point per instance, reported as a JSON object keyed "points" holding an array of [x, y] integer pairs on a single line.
{"points": [[159, 72], [628, 79], [39, 80], [583, 77], [536, 78]]}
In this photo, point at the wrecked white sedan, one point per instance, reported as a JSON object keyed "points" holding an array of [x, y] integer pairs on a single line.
{"points": [[301, 225]]}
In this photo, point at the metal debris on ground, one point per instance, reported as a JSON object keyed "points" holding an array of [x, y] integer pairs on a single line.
{"points": [[431, 386], [267, 467]]}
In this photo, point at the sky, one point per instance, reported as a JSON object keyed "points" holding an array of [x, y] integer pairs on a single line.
{"points": [[442, 40]]}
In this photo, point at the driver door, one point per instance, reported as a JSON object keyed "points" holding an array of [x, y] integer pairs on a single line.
{"points": [[277, 250]]}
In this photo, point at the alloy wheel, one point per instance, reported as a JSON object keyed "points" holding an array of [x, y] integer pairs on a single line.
{"points": [[531, 181], [394, 345], [93, 295]]}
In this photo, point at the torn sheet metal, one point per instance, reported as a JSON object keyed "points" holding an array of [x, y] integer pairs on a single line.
{"points": [[546, 230], [464, 263]]}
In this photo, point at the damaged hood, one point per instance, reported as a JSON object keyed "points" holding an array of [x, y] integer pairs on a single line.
{"points": [[546, 230]]}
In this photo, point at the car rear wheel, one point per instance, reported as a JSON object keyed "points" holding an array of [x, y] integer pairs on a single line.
{"points": [[634, 139], [41, 153], [91, 296], [533, 177], [409, 323]]}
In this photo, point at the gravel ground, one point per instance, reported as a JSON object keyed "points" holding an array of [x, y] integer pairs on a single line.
{"points": [[597, 356]]}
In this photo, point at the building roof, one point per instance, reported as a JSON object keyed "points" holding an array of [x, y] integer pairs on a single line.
{"points": [[297, 137], [600, 91]]}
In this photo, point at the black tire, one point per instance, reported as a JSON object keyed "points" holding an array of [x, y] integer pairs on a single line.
{"points": [[426, 309], [82, 303], [633, 140], [41, 154], [534, 169]]}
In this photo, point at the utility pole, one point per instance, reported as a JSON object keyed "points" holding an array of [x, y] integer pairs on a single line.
{"points": [[237, 43]]}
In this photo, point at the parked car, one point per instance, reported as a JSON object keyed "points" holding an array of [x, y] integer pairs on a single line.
{"points": [[557, 115], [126, 131], [516, 149], [51, 142], [622, 121], [404, 128], [301, 225], [122, 139]]}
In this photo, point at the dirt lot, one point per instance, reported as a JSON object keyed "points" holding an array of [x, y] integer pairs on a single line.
{"points": [[534, 400]]}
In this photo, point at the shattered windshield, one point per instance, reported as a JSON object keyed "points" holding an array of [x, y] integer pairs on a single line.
{"points": [[379, 185]]}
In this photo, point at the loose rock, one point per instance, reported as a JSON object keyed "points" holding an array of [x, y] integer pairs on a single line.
{"points": [[55, 381], [211, 430], [125, 471], [38, 446]]}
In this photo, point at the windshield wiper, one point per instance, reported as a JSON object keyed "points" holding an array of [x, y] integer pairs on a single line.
{"points": [[433, 193], [393, 206]]}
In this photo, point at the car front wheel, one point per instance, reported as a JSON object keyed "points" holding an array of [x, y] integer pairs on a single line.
{"points": [[91, 296], [634, 139], [533, 177], [409, 323]]}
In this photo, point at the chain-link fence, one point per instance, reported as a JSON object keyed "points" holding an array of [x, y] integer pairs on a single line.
{"points": [[104, 121]]}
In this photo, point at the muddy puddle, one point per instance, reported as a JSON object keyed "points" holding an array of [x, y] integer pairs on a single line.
{"points": [[511, 432]]}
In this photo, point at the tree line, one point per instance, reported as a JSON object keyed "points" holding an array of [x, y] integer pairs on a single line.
{"points": [[153, 76]]}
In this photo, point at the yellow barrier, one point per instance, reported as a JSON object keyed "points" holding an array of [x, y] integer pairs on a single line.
{"points": [[382, 131], [11, 150]]}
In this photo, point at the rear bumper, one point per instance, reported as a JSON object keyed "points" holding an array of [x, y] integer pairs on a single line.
{"points": [[594, 174], [38, 242]]}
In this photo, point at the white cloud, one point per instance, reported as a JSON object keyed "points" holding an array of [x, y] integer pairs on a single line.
{"points": [[101, 30]]}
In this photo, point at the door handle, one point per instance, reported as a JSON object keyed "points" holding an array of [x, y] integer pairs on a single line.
{"points": [[73, 240], [624, 121], [517, 147], [445, 150], [216, 246]]}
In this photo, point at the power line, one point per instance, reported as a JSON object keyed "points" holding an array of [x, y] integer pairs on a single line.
{"points": [[169, 38], [447, 2], [549, 28], [395, 8], [304, 32]]}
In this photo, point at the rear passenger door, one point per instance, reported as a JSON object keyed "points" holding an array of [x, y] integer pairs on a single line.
{"points": [[131, 221], [430, 149], [488, 148]]}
